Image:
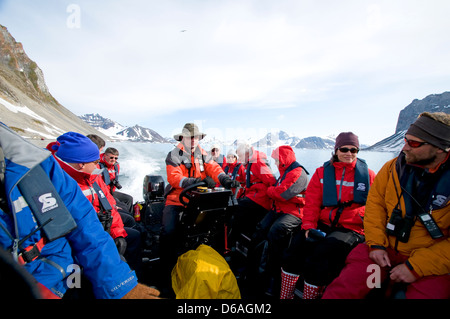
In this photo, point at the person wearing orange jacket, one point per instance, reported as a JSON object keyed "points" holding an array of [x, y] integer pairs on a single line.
{"points": [[76, 155], [186, 165], [407, 222], [334, 208]]}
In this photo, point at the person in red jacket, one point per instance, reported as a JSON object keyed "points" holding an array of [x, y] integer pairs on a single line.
{"points": [[254, 204], [236, 171], [109, 162], [332, 220], [288, 196], [79, 156]]}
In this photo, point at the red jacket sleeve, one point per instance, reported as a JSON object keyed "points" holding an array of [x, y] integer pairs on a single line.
{"points": [[293, 184], [264, 173], [213, 170], [311, 211]]}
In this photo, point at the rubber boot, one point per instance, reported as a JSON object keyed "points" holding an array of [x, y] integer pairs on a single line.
{"points": [[288, 282], [312, 292]]}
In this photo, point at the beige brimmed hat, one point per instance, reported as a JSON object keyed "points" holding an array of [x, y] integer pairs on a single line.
{"points": [[189, 130]]}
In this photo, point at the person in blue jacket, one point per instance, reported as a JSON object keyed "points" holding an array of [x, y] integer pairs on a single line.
{"points": [[87, 245]]}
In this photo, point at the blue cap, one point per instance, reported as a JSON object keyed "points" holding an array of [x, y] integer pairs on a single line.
{"points": [[76, 148]]}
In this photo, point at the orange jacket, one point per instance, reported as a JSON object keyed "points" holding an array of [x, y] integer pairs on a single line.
{"points": [[427, 256], [180, 165]]}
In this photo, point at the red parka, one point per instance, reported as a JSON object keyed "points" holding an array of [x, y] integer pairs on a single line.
{"points": [[289, 193], [85, 181], [261, 178], [352, 216]]}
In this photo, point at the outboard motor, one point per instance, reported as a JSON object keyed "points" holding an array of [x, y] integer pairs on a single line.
{"points": [[151, 214], [153, 188]]}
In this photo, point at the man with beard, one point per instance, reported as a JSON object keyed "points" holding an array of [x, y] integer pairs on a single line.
{"points": [[407, 220]]}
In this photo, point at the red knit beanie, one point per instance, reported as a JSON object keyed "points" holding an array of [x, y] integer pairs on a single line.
{"points": [[346, 138]]}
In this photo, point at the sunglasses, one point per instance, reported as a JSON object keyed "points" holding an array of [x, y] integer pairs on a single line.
{"points": [[346, 149], [414, 144], [114, 157]]}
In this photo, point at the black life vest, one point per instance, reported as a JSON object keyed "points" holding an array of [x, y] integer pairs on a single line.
{"points": [[235, 170], [423, 191], [361, 184], [105, 214]]}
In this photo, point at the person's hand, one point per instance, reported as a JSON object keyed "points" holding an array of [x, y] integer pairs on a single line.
{"points": [[121, 245], [401, 273], [210, 183], [235, 184], [142, 292], [380, 257], [228, 183], [188, 181]]}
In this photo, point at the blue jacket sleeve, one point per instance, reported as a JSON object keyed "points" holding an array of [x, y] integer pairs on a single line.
{"points": [[93, 248]]}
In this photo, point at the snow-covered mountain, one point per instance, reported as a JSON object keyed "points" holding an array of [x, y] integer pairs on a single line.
{"points": [[316, 142], [106, 126], [275, 139], [117, 131], [141, 134]]}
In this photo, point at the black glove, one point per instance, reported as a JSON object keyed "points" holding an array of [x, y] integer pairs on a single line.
{"points": [[210, 183], [228, 183], [121, 245], [190, 181], [235, 184]]}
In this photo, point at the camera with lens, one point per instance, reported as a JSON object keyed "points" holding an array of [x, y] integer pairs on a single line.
{"points": [[398, 226], [116, 184]]}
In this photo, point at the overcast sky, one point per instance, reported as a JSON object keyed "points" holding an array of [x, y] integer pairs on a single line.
{"points": [[239, 67]]}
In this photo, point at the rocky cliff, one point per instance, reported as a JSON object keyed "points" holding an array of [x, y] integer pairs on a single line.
{"points": [[431, 103], [26, 104]]}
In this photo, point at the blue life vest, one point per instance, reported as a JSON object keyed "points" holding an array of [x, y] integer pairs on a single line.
{"points": [[361, 184]]}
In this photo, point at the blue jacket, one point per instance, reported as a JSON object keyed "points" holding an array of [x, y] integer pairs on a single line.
{"points": [[88, 245]]}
